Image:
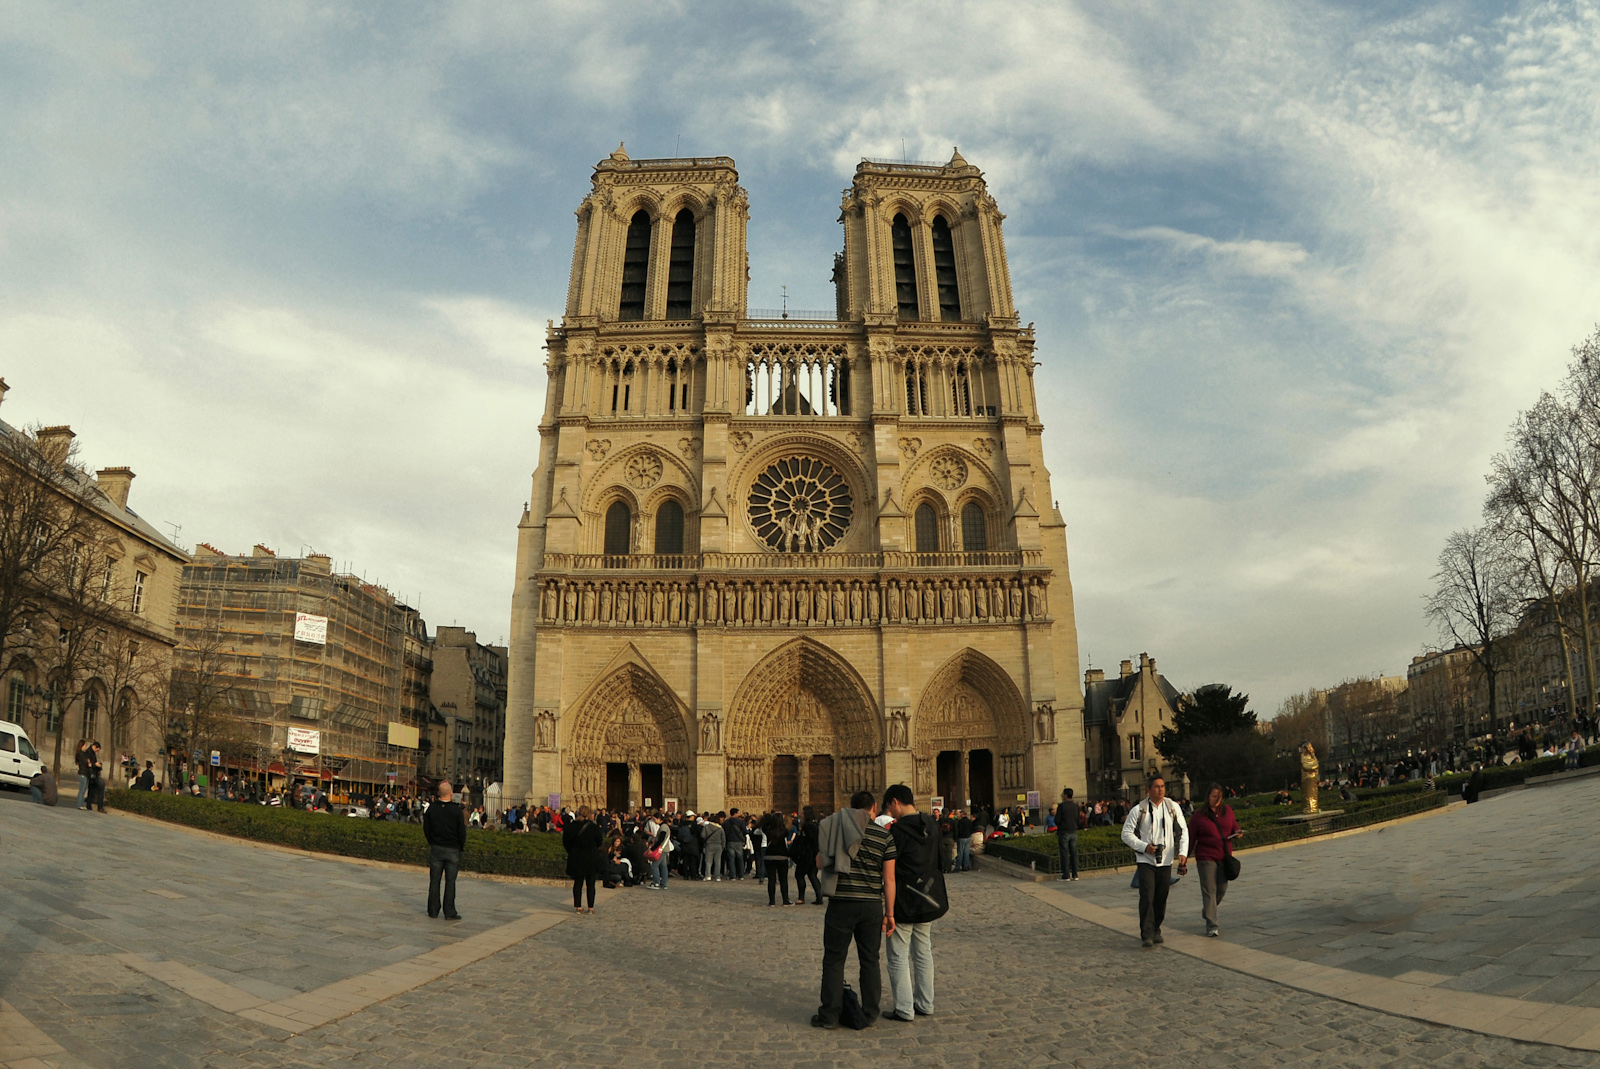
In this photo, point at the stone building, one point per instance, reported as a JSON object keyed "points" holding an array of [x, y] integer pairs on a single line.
{"points": [[468, 691], [1122, 718], [417, 711], [771, 561], [89, 653], [296, 644]]}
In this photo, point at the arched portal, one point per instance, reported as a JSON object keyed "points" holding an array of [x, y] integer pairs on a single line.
{"points": [[629, 742], [802, 716], [970, 732]]}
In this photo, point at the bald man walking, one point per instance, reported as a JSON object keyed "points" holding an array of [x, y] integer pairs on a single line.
{"points": [[444, 825]]}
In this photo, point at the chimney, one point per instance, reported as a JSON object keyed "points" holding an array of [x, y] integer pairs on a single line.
{"points": [[1152, 663], [206, 549], [56, 444], [322, 560], [1127, 669], [114, 482], [1094, 675], [261, 551], [3, 389]]}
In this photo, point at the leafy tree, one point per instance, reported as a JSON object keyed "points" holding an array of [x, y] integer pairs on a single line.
{"points": [[1213, 710]]}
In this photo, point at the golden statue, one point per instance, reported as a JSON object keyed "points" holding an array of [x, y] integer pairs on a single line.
{"points": [[1309, 767]]}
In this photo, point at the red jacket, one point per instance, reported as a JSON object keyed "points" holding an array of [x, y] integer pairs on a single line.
{"points": [[1205, 834]]}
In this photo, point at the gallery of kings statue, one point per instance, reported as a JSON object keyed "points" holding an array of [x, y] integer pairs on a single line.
{"points": [[769, 561]]}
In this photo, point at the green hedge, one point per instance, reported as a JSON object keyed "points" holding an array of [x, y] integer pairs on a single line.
{"points": [[500, 853], [1102, 848]]}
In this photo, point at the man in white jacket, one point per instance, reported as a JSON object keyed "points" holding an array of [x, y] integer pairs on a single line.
{"points": [[1156, 831]]}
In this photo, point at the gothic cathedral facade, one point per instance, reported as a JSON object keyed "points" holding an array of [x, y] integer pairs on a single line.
{"points": [[771, 561]]}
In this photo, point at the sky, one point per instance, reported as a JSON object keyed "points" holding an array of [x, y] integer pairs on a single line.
{"points": [[1294, 267]]}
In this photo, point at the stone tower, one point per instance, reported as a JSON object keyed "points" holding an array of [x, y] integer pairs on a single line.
{"points": [[769, 561]]}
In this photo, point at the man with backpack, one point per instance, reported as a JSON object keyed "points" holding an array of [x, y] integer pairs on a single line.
{"points": [[856, 858], [919, 900], [1156, 831]]}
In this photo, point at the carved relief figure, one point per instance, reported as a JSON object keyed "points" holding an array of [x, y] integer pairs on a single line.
{"points": [[899, 737], [544, 732]]}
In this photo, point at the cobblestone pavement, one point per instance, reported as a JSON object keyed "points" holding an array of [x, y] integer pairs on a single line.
{"points": [[1501, 897], [698, 974]]}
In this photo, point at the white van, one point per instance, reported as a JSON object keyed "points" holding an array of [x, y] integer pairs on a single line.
{"points": [[19, 761]]}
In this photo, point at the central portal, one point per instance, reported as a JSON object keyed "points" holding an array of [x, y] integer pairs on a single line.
{"points": [[803, 731]]}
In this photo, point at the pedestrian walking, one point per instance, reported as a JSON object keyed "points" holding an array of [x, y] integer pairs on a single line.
{"points": [[856, 858], [97, 779], [1067, 835], [80, 757], [1156, 832], [964, 828], [582, 840], [804, 852], [1212, 832], [775, 830], [444, 825], [919, 900]]}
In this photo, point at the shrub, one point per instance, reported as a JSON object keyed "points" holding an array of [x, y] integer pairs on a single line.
{"points": [[1102, 848], [500, 853]]}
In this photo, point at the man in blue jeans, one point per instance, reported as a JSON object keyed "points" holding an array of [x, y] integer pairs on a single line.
{"points": [[444, 825], [733, 830]]}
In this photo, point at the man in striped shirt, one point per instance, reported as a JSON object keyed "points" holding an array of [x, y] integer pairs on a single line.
{"points": [[857, 857]]}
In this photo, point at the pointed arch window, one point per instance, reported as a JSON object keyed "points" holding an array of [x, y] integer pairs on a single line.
{"points": [[619, 529], [927, 525], [635, 267], [680, 267], [974, 529], [944, 270], [905, 268], [669, 528]]}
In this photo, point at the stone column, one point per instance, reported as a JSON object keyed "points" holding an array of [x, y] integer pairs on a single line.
{"points": [[805, 780]]}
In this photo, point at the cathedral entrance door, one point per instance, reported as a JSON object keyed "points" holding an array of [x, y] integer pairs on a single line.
{"points": [[980, 777], [947, 777], [786, 783], [617, 786], [821, 784], [650, 785]]}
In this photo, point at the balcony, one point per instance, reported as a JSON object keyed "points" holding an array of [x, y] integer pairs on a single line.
{"points": [[894, 560]]}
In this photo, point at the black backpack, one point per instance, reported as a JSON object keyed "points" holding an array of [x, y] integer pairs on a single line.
{"points": [[850, 1013]]}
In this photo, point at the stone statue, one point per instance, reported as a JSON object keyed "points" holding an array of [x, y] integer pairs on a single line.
{"points": [[544, 732], [897, 730], [1309, 769], [710, 733]]}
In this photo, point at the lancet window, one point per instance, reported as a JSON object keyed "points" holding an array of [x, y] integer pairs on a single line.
{"points": [[619, 529], [974, 529], [944, 270], [669, 528], [905, 269], [680, 268], [635, 268], [927, 529]]}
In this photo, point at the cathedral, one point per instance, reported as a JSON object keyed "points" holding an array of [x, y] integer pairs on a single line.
{"points": [[773, 558]]}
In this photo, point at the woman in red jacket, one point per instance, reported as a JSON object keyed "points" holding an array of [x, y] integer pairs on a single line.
{"points": [[1212, 832]]}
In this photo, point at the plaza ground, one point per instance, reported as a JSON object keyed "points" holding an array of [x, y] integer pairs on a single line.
{"points": [[128, 942]]}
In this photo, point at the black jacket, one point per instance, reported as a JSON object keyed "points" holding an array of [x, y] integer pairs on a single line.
{"points": [[919, 892], [445, 824], [1067, 818], [582, 841]]}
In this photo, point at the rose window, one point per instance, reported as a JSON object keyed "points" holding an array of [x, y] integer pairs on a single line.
{"points": [[800, 505]]}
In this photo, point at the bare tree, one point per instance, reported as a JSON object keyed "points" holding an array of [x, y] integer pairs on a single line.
{"points": [[1475, 601], [46, 512], [204, 692], [1541, 498], [1302, 718]]}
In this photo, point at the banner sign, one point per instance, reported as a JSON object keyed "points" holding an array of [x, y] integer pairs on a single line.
{"points": [[309, 628], [305, 740], [404, 735]]}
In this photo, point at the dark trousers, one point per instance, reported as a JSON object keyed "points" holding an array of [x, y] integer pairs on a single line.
{"points": [[777, 876], [1068, 845], [578, 884], [861, 920], [800, 879], [443, 861], [1154, 883], [97, 792]]}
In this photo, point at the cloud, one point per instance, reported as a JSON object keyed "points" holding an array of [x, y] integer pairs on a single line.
{"points": [[1293, 267]]}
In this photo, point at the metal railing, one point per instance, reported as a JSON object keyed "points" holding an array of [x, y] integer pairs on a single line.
{"points": [[791, 313], [831, 562]]}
